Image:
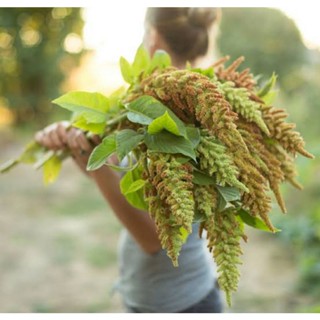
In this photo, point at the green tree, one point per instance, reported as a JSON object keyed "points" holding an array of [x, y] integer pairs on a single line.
{"points": [[268, 39], [38, 48]]}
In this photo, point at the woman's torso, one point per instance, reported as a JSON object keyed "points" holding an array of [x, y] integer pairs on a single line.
{"points": [[152, 284]]}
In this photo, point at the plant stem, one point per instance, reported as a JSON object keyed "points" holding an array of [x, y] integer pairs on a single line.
{"points": [[117, 119]]}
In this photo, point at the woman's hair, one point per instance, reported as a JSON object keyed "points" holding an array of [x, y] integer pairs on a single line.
{"points": [[185, 30]]}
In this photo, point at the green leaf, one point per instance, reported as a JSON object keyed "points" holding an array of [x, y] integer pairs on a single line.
{"points": [[193, 135], [226, 195], [160, 60], [115, 99], [126, 141], [51, 169], [136, 198], [101, 153], [135, 186], [139, 118], [141, 61], [32, 152], [267, 93], [182, 159], [167, 142], [270, 84], [126, 71], [148, 107], [90, 117], [202, 179], [96, 128], [89, 109], [209, 72], [149, 110], [254, 222], [165, 122], [199, 217], [270, 97], [92, 104], [229, 193], [222, 203]]}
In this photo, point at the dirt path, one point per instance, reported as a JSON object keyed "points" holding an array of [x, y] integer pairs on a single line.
{"points": [[58, 250]]}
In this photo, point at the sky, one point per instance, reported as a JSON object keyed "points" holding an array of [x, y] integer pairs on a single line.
{"points": [[109, 31]]}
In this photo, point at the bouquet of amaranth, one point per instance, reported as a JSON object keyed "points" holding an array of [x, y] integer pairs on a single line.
{"points": [[202, 145]]}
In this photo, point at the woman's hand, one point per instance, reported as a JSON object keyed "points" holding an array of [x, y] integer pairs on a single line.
{"points": [[54, 136], [60, 136]]}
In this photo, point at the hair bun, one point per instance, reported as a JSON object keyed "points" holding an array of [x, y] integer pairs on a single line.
{"points": [[202, 17]]}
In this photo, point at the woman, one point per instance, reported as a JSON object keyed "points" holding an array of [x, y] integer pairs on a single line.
{"points": [[148, 281]]}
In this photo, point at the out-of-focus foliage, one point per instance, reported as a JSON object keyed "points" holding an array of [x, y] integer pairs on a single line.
{"points": [[38, 48], [271, 42], [302, 96], [266, 37], [303, 230], [301, 227]]}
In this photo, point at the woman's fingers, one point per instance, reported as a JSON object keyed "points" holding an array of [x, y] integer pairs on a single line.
{"points": [[62, 131], [78, 142], [55, 140], [83, 142], [80, 147], [54, 136], [39, 137], [59, 136]]}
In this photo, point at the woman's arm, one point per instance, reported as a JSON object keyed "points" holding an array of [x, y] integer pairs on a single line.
{"points": [[137, 222]]}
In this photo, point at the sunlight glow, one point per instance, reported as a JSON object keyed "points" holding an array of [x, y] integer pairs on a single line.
{"points": [[73, 43], [113, 32], [308, 22]]}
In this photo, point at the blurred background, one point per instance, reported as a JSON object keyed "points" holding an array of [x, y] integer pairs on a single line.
{"points": [[58, 245]]}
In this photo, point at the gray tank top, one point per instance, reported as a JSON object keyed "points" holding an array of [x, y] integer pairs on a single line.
{"points": [[150, 283]]}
